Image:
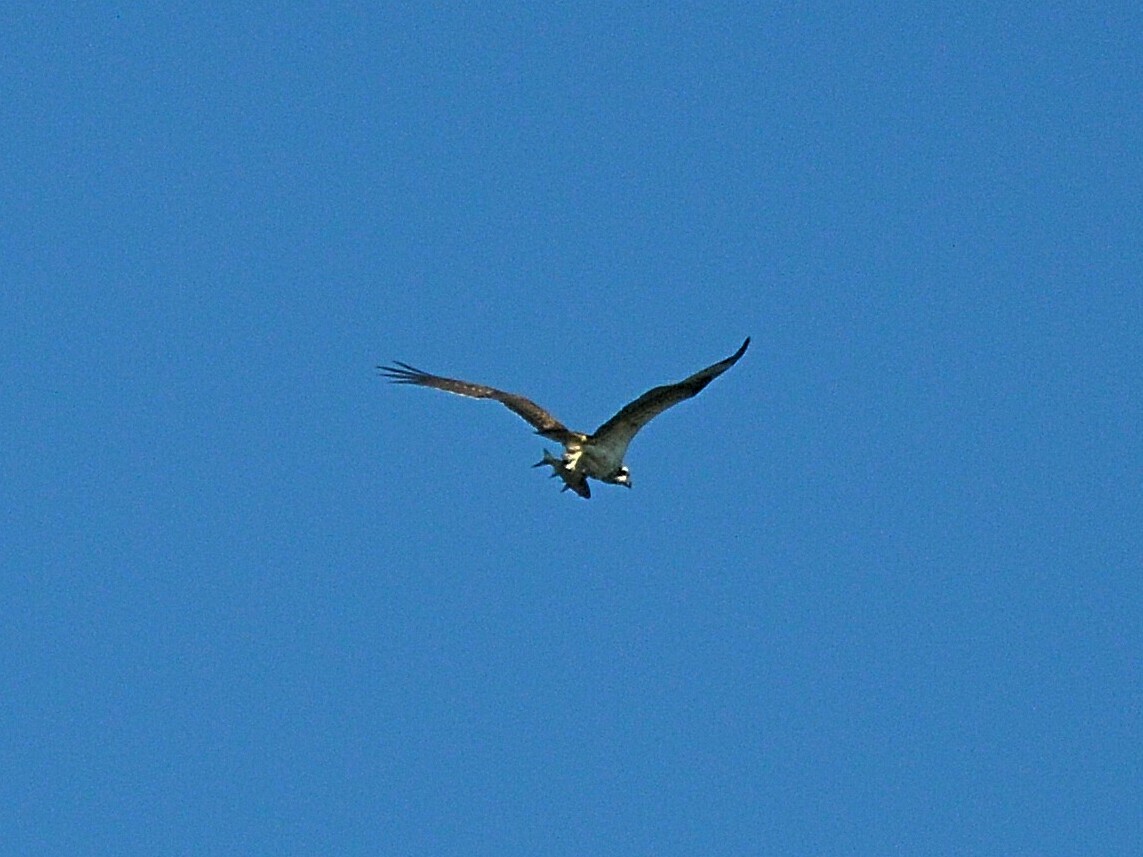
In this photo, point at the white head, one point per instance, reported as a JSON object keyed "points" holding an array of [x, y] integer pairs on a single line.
{"points": [[622, 476]]}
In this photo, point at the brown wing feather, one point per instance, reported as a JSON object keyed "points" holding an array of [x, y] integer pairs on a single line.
{"points": [[623, 426], [545, 423]]}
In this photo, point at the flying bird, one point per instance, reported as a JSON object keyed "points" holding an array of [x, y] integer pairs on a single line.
{"points": [[598, 455]]}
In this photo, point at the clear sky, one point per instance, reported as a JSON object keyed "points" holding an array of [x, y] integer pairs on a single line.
{"points": [[877, 590]]}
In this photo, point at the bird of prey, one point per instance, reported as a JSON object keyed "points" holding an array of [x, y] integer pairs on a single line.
{"points": [[598, 455]]}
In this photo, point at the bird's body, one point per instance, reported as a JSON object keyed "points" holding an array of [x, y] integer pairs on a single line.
{"points": [[598, 455]]}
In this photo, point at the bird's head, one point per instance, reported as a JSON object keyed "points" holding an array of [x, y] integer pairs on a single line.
{"points": [[622, 476]]}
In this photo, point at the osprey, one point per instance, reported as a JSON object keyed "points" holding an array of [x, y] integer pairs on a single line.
{"points": [[598, 455]]}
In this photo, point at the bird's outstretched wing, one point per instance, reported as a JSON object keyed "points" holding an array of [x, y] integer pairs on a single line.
{"points": [[545, 423], [619, 430]]}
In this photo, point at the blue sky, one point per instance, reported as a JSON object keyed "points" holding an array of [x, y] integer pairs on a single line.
{"points": [[876, 591]]}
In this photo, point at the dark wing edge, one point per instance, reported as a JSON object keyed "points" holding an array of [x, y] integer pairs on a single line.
{"points": [[638, 413], [544, 423]]}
